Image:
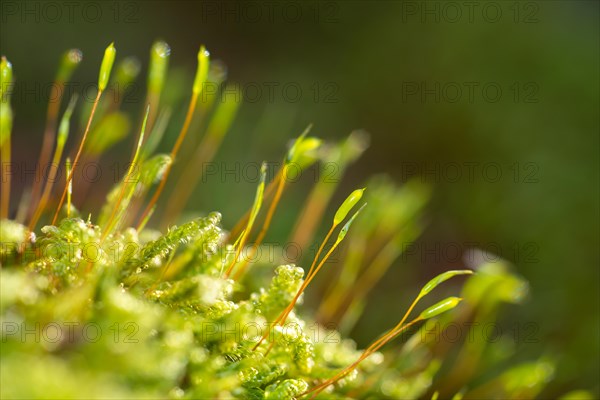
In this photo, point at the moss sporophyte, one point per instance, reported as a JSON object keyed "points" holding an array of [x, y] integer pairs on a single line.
{"points": [[99, 305]]}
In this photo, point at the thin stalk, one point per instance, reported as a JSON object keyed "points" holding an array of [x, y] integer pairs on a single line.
{"points": [[6, 121], [197, 88], [292, 155], [6, 157], [103, 77], [366, 353], [217, 128], [48, 140], [399, 324], [340, 287], [320, 250], [77, 156], [174, 151], [288, 310], [148, 147], [128, 175], [311, 273], [152, 99], [433, 311], [60, 145], [242, 242], [340, 215], [68, 167], [309, 279], [144, 221], [350, 150], [258, 200], [70, 60], [265, 227], [157, 72], [237, 229], [184, 186]]}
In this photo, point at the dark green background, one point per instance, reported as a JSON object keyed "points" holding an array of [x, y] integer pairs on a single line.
{"points": [[362, 55]]}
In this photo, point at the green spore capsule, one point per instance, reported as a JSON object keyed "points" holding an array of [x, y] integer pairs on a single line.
{"points": [[347, 205], [68, 63], [63, 129], [107, 63], [292, 154], [441, 307], [6, 77], [202, 71], [159, 63], [347, 225], [6, 114], [432, 284]]}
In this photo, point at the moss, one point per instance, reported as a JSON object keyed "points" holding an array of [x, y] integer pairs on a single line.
{"points": [[105, 308]]}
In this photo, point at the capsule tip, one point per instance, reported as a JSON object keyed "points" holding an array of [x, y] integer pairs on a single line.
{"points": [[161, 49], [74, 56]]}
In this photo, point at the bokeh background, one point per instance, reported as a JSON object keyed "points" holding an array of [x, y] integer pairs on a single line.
{"points": [[494, 104]]}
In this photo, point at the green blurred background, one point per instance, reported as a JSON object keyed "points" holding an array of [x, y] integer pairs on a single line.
{"points": [[392, 68]]}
